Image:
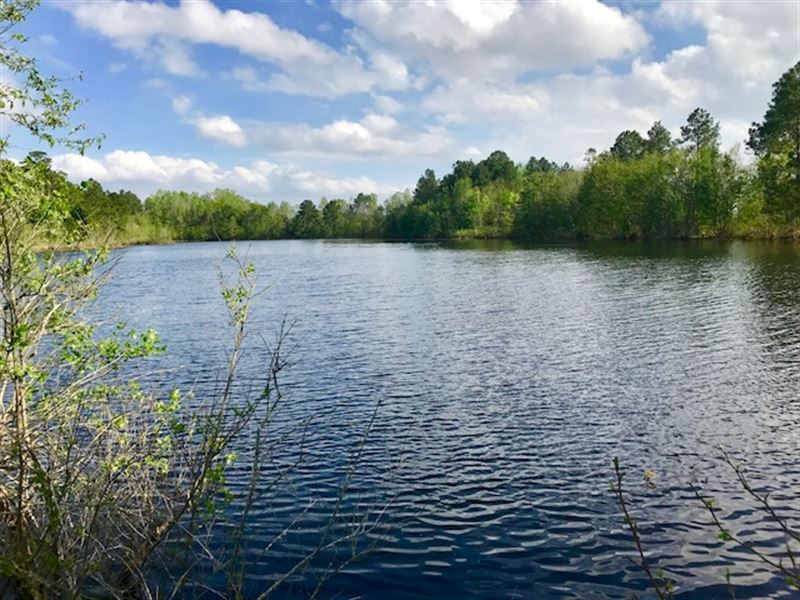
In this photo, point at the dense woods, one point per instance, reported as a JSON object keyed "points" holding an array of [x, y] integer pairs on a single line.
{"points": [[643, 187]]}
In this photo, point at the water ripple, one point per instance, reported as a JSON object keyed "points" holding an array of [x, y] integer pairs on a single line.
{"points": [[509, 379]]}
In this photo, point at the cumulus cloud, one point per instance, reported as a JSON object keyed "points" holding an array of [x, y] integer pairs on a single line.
{"points": [[753, 41], [498, 39], [165, 33], [261, 180], [221, 128], [80, 167], [375, 135], [460, 101]]}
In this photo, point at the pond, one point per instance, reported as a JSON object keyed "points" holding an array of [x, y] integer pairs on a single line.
{"points": [[508, 378]]}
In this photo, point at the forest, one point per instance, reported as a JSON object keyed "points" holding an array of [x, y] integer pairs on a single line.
{"points": [[647, 186]]}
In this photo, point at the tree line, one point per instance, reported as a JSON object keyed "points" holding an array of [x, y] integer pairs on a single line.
{"points": [[643, 187]]}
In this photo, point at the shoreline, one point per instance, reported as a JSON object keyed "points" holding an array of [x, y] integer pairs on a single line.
{"points": [[793, 238]]}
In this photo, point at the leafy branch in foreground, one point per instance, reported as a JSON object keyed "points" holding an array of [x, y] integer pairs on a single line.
{"points": [[102, 483], [99, 479], [790, 571], [30, 100], [663, 587]]}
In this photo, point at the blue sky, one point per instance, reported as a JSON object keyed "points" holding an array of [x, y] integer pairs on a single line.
{"points": [[293, 100]]}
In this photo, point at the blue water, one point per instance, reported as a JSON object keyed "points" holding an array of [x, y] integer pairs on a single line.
{"points": [[507, 378]]}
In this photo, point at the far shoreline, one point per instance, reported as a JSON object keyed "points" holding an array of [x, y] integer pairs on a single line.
{"points": [[790, 239]]}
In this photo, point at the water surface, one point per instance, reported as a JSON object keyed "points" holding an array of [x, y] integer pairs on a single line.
{"points": [[509, 377]]}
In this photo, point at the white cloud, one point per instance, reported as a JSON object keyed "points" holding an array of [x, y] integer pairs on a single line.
{"points": [[482, 17], [394, 73], [176, 58], [498, 39], [165, 32], [471, 153], [80, 167], [562, 115], [125, 165], [375, 136], [221, 128], [316, 184], [754, 41], [262, 180], [461, 101], [387, 104]]}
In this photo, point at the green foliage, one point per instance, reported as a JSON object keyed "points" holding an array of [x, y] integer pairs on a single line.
{"points": [[220, 215], [546, 208], [629, 145], [776, 141], [334, 218], [307, 222], [542, 165], [31, 101], [714, 186], [427, 189], [659, 139], [603, 203], [496, 168], [70, 429], [473, 200], [700, 131], [642, 188], [106, 210], [365, 217], [96, 473], [678, 194]]}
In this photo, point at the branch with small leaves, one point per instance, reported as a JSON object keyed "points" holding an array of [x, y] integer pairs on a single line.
{"points": [[790, 571], [663, 587]]}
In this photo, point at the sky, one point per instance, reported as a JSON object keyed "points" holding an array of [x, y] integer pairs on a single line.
{"points": [[283, 101]]}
